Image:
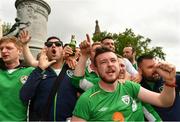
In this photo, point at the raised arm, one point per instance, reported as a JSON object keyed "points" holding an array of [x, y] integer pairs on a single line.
{"points": [[85, 52], [167, 96], [24, 37]]}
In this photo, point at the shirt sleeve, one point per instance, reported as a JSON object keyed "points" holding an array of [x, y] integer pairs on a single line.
{"points": [[133, 88], [81, 82], [28, 89], [82, 108], [75, 80], [129, 67]]}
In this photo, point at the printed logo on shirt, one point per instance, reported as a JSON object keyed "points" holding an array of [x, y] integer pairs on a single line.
{"points": [[69, 73], [126, 99], [23, 79], [103, 109], [160, 89], [134, 106], [118, 117], [44, 76]]}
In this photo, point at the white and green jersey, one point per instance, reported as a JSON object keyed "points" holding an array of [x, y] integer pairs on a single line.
{"points": [[87, 81], [11, 107], [98, 105]]}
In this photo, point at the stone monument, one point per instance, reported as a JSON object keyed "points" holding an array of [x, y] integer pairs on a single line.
{"points": [[36, 12], [97, 28], [17, 27]]}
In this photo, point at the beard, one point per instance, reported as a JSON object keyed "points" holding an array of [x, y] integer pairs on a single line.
{"points": [[109, 81], [153, 78]]}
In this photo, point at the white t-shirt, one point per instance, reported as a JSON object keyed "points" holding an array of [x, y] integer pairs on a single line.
{"points": [[129, 67]]}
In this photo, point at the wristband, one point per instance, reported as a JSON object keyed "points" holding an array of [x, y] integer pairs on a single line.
{"points": [[171, 85]]}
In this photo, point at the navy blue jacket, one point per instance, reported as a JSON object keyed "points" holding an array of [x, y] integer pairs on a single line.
{"points": [[170, 113], [37, 89]]}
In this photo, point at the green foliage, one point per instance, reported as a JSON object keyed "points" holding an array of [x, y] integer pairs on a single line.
{"points": [[6, 27], [100, 36], [127, 38]]}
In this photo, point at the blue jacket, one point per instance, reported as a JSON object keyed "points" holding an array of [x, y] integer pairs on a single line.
{"points": [[171, 113], [37, 89]]}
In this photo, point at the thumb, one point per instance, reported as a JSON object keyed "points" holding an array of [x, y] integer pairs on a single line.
{"points": [[51, 62]]}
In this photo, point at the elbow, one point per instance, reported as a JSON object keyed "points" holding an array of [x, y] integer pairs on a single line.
{"points": [[170, 103], [24, 97]]}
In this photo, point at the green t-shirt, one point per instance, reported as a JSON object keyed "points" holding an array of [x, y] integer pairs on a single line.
{"points": [[135, 66], [91, 78], [98, 105], [11, 107]]}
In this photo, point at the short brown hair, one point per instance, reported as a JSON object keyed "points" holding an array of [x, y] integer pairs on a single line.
{"points": [[106, 37], [96, 43], [12, 39]]}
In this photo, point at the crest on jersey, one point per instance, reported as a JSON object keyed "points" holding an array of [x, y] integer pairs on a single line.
{"points": [[23, 79], [69, 73], [126, 99], [161, 88]]}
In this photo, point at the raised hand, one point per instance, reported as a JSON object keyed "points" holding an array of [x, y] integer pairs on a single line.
{"points": [[43, 60], [166, 71], [71, 62], [85, 46], [67, 51], [24, 37]]}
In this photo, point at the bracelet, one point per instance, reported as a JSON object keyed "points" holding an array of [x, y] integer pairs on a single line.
{"points": [[171, 85]]}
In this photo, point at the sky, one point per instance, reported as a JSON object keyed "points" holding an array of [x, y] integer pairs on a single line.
{"points": [[158, 20]]}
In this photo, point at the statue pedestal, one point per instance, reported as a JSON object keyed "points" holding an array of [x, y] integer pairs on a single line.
{"points": [[36, 12]]}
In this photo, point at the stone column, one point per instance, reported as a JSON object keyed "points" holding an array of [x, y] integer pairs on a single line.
{"points": [[36, 12]]}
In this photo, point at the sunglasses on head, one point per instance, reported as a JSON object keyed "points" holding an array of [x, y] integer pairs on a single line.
{"points": [[57, 43]]}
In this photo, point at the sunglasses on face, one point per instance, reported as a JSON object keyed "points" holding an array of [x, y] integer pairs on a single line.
{"points": [[49, 44]]}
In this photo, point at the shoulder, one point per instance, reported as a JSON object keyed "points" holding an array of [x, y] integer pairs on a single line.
{"points": [[129, 83], [91, 92], [30, 69], [131, 87]]}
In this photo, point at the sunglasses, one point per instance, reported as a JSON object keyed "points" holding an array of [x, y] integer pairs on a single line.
{"points": [[57, 43]]}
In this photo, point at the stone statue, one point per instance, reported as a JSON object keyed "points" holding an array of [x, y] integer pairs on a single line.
{"points": [[17, 27]]}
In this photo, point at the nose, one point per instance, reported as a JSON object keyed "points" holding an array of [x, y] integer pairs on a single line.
{"points": [[111, 45], [53, 45], [109, 63], [3, 50]]}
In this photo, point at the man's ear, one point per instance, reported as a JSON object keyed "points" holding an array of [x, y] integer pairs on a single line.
{"points": [[140, 70], [95, 70], [20, 51], [134, 53]]}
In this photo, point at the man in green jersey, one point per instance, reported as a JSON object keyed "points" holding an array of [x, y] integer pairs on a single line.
{"points": [[12, 76], [85, 76], [129, 52], [110, 100]]}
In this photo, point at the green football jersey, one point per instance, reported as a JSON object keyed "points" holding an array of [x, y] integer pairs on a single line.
{"points": [[11, 107], [99, 105]]}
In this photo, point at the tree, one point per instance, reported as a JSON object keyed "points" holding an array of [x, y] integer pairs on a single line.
{"points": [[6, 27], [98, 37], [127, 38]]}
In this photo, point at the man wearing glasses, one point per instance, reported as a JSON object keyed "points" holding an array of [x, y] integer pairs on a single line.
{"points": [[40, 83]]}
